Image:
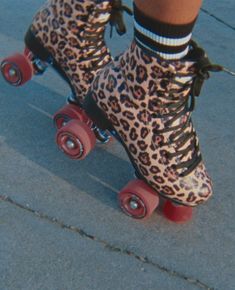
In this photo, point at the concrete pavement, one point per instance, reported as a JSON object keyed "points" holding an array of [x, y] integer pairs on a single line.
{"points": [[60, 224]]}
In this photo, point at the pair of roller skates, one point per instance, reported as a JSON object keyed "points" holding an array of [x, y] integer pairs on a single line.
{"points": [[77, 135], [146, 103], [141, 100]]}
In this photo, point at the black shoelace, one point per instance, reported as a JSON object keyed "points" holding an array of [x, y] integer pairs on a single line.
{"points": [[116, 18], [95, 39]]}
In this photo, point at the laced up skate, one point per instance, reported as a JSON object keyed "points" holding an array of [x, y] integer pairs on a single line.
{"points": [[69, 35], [146, 103]]}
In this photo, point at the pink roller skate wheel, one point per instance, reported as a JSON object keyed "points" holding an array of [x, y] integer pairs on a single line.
{"points": [[177, 213], [137, 199], [76, 139], [69, 112], [16, 69]]}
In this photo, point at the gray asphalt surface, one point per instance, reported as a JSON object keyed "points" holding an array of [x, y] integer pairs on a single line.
{"points": [[60, 224]]}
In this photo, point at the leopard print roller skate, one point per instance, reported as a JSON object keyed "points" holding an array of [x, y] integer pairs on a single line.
{"points": [[146, 103]]}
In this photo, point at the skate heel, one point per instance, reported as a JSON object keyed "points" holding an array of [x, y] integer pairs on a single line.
{"points": [[96, 114], [177, 213], [101, 124], [43, 55]]}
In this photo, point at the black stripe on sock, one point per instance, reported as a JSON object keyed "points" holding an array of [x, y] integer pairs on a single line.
{"points": [[157, 46]]}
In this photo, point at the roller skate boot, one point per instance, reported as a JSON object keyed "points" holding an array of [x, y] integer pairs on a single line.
{"points": [[146, 103], [69, 36]]}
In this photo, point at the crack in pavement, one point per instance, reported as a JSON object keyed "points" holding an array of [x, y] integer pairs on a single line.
{"points": [[106, 244], [217, 18]]}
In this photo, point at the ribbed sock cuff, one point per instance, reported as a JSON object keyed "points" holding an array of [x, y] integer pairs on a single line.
{"points": [[169, 41]]}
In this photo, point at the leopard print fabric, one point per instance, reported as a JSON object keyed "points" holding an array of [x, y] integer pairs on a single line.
{"points": [[66, 28], [132, 92]]}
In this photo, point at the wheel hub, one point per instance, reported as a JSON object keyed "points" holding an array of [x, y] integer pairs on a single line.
{"points": [[12, 72], [70, 144], [133, 204]]}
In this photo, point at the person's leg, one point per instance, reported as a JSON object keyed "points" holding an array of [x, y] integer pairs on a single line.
{"points": [[147, 96], [165, 26], [170, 11]]}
